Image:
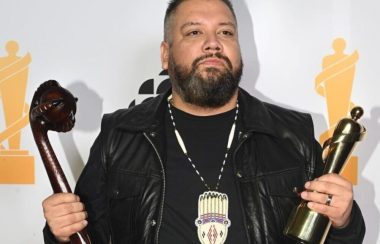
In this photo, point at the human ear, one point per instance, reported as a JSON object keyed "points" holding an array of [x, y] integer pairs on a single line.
{"points": [[164, 55]]}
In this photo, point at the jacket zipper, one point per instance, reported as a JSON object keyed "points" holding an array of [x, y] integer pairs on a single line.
{"points": [[244, 137], [163, 189]]}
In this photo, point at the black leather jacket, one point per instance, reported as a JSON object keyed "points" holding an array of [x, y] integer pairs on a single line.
{"points": [[123, 183]]}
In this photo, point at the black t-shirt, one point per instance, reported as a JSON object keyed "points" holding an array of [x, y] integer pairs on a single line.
{"points": [[205, 138]]}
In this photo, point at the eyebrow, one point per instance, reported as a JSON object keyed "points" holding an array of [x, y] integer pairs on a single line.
{"points": [[192, 23]]}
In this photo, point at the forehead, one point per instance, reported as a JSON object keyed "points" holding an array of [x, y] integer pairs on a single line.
{"points": [[203, 11]]}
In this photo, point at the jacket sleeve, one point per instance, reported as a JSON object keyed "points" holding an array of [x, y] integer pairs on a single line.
{"points": [[353, 233], [48, 236], [91, 188]]}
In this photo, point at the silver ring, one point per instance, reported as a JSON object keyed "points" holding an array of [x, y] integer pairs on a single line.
{"points": [[329, 199]]}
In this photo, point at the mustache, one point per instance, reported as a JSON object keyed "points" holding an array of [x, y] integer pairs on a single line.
{"points": [[212, 55]]}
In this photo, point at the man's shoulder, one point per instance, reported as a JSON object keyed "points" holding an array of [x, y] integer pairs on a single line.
{"points": [[291, 128], [275, 118], [292, 125], [286, 115]]}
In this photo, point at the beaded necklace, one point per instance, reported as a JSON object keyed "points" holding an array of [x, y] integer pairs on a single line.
{"points": [[212, 221]]}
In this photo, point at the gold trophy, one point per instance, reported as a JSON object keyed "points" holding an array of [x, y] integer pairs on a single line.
{"points": [[334, 83], [304, 224]]}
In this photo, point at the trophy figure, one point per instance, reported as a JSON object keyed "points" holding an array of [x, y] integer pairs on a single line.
{"points": [[53, 108], [16, 165], [304, 224]]}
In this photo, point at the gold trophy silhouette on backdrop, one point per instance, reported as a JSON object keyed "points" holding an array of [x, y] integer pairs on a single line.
{"points": [[16, 165], [335, 84]]}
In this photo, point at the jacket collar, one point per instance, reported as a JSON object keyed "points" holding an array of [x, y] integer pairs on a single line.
{"points": [[150, 115]]}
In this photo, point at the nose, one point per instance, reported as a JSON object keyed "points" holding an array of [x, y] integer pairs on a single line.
{"points": [[212, 44]]}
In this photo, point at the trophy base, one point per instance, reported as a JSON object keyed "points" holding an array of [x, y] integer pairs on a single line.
{"points": [[16, 168], [306, 225]]}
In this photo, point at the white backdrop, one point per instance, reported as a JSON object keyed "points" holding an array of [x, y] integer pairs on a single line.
{"points": [[103, 51]]}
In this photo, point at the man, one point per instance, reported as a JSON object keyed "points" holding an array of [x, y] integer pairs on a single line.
{"points": [[205, 162]]}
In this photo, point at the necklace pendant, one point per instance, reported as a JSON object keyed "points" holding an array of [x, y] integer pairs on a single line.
{"points": [[212, 221]]}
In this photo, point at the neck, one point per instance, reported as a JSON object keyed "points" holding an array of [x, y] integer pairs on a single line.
{"points": [[180, 104]]}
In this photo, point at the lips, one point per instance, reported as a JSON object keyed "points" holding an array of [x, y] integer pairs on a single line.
{"points": [[212, 62]]}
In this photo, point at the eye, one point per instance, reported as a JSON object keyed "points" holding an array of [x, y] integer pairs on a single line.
{"points": [[193, 33], [227, 33]]}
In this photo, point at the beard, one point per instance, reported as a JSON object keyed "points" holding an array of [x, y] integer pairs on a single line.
{"points": [[212, 90]]}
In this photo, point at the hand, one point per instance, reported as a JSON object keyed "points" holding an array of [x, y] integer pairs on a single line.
{"points": [[65, 215], [330, 195]]}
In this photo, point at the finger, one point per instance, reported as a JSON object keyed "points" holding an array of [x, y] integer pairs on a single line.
{"points": [[340, 201], [60, 198], [67, 220], [336, 179], [322, 187], [322, 208], [64, 209], [327, 187], [64, 233], [338, 216], [317, 197]]}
